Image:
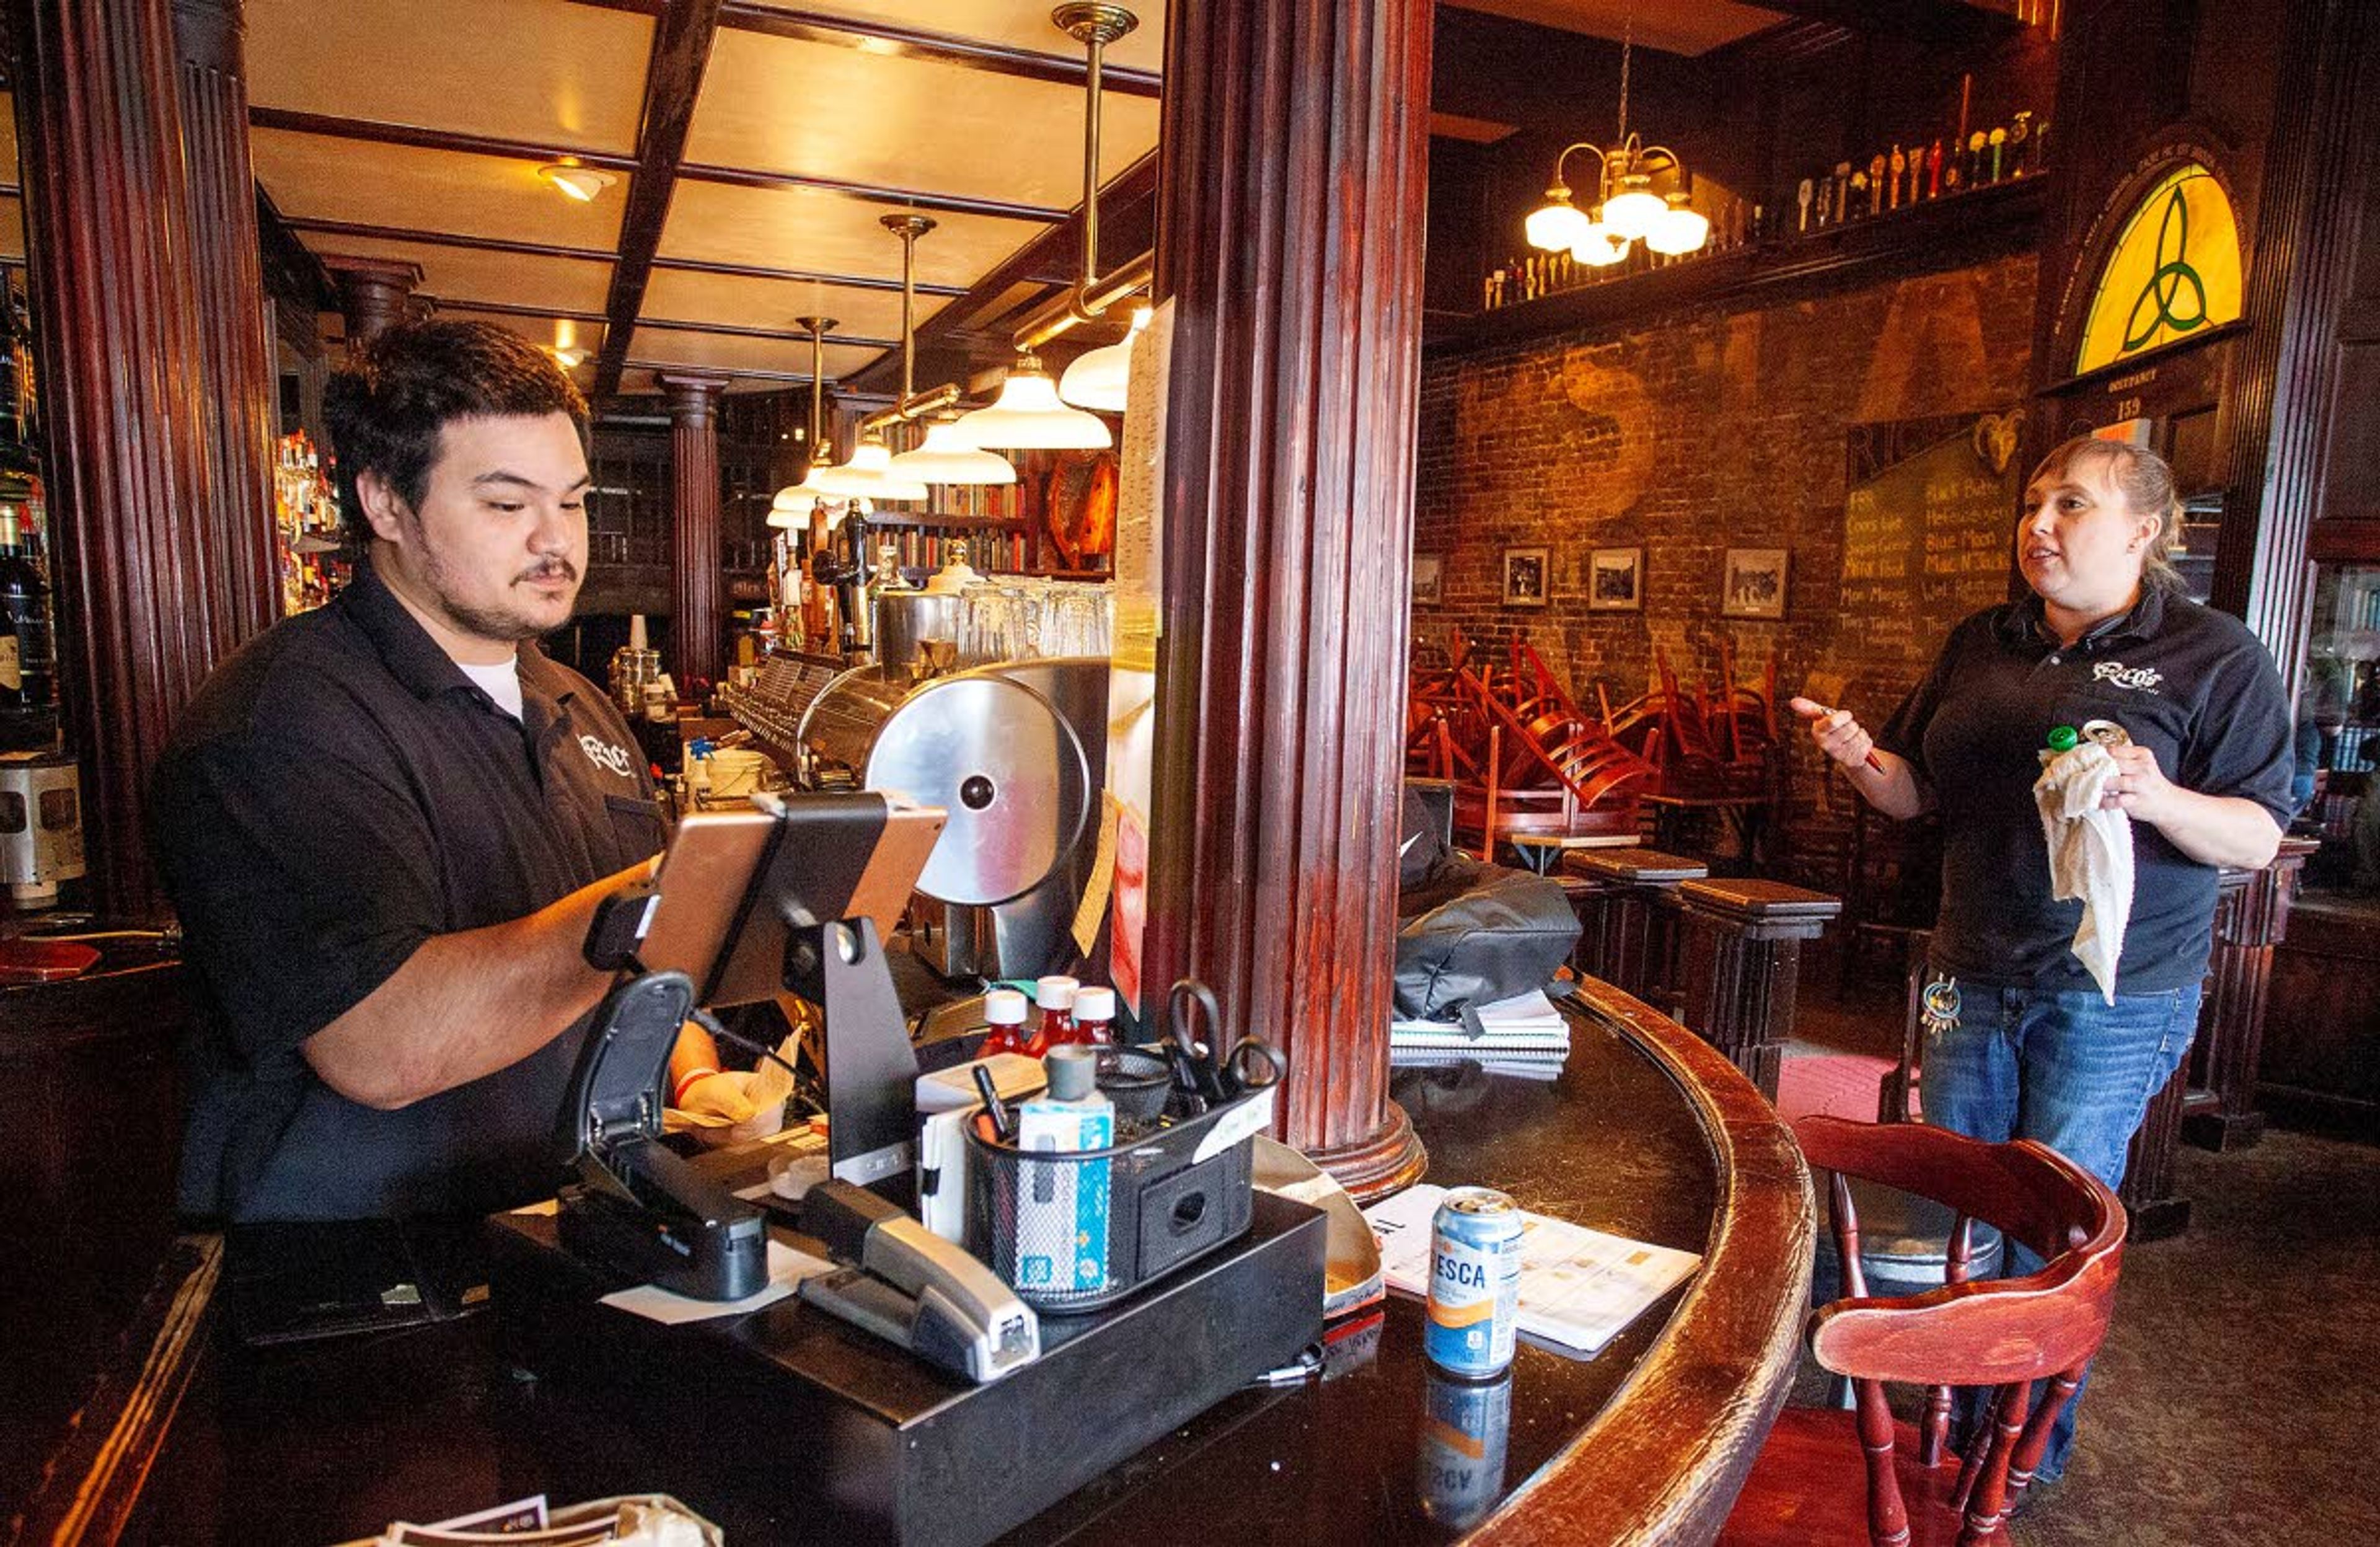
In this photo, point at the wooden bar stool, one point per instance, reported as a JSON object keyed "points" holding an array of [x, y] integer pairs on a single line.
{"points": [[2007, 1333]]}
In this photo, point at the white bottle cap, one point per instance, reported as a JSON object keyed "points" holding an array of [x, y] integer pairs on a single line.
{"points": [[1095, 1003], [1056, 994], [1003, 1007]]}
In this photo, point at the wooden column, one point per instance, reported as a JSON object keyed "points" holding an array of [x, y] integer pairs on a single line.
{"points": [[236, 357], [695, 652], [375, 294], [1294, 142], [2301, 267], [107, 204]]}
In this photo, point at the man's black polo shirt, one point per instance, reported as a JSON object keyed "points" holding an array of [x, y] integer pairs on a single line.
{"points": [[338, 793], [2188, 682]]}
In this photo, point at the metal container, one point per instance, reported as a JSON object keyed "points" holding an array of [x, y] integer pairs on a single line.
{"points": [[907, 621], [41, 826], [1475, 1284]]}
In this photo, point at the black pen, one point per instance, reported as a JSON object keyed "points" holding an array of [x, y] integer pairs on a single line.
{"points": [[1004, 1127]]}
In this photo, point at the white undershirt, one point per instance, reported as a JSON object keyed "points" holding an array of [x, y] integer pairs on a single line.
{"points": [[501, 683]]}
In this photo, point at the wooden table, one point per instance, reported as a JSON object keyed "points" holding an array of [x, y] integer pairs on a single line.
{"points": [[1650, 1133]]}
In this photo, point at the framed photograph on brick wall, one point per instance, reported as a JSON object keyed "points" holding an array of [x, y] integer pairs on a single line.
{"points": [[1427, 570], [1754, 585], [1615, 581], [1526, 577]]}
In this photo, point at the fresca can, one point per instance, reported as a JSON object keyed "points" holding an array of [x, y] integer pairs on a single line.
{"points": [[1474, 1283], [1464, 1428]]}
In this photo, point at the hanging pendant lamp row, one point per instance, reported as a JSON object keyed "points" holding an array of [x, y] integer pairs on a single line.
{"points": [[1032, 410], [1626, 209]]}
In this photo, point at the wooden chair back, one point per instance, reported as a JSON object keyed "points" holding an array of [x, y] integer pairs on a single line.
{"points": [[2004, 1333]]}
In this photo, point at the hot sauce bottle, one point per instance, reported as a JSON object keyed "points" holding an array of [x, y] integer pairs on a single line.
{"points": [[1095, 1016], [1005, 1014], [1056, 996]]}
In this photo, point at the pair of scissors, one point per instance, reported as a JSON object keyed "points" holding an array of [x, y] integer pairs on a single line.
{"points": [[1210, 1074]]}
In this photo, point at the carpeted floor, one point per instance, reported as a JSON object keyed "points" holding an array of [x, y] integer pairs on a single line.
{"points": [[2232, 1404]]}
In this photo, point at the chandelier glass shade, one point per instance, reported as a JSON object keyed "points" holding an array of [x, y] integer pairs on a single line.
{"points": [[1626, 210]]}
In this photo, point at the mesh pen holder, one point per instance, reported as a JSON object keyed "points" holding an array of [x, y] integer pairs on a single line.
{"points": [[1027, 1216]]}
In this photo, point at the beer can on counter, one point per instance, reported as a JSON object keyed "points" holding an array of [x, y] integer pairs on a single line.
{"points": [[1474, 1283], [1465, 1428]]}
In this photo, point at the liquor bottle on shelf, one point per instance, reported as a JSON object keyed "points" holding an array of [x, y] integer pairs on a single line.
{"points": [[28, 702]]}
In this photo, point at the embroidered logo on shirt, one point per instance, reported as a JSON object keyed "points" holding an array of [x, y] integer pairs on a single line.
{"points": [[604, 755], [2145, 678]]}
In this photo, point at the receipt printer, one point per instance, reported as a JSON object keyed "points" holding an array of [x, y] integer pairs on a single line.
{"points": [[912, 1289], [633, 1206]]}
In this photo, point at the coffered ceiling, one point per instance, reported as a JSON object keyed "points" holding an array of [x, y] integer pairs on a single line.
{"points": [[755, 149]]}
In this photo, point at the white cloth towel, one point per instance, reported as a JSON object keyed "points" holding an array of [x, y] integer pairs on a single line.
{"points": [[2090, 854]]}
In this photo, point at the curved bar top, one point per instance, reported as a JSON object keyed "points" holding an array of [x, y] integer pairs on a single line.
{"points": [[1664, 1459], [1649, 1133]]}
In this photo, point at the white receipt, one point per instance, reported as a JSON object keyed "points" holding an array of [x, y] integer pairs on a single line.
{"points": [[787, 1268]]}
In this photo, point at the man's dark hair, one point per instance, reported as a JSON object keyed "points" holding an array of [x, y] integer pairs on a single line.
{"points": [[387, 407]]}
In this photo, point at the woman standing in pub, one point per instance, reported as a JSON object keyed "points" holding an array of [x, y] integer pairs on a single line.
{"points": [[2023, 1042]]}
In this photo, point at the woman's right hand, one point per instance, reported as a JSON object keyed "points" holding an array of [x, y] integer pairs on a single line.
{"points": [[1835, 733]]}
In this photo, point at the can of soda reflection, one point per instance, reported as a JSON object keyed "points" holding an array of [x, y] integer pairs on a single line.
{"points": [[1465, 1429], [1474, 1283]]}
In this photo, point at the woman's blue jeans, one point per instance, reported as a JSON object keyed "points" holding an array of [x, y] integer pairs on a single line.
{"points": [[2064, 1067]]}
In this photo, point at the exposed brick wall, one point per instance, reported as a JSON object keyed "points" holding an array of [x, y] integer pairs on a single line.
{"points": [[1687, 435]]}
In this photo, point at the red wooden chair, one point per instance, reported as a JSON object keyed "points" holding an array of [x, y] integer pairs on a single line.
{"points": [[2006, 1333]]}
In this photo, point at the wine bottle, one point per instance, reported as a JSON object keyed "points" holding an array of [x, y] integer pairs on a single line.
{"points": [[29, 706]]}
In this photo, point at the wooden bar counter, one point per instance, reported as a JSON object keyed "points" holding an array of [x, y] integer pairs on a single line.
{"points": [[1650, 1133]]}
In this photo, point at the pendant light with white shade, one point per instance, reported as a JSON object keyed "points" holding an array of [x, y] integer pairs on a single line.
{"points": [[944, 457], [1101, 378], [793, 504], [1029, 416]]}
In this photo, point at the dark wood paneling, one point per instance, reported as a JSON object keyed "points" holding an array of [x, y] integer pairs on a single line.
{"points": [[681, 51], [238, 390], [2302, 266], [123, 399], [1295, 142]]}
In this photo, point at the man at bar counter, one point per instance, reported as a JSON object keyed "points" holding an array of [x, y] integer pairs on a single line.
{"points": [[386, 824], [2022, 1042]]}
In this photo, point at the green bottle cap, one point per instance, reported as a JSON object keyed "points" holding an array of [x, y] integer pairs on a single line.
{"points": [[2064, 738]]}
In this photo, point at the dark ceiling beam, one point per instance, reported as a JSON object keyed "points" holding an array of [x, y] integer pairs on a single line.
{"points": [[292, 271], [358, 231], [1932, 21], [673, 82], [942, 48], [379, 133], [510, 309], [906, 198], [1128, 228], [726, 330], [758, 270], [353, 230]]}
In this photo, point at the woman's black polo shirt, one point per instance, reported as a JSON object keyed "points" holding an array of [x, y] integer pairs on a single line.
{"points": [[336, 794], [2188, 682]]}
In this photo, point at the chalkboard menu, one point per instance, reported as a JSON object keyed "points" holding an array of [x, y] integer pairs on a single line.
{"points": [[1927, 524]]}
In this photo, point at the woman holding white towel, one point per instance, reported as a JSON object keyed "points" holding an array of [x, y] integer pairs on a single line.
{"points": [[2023, 1043]]}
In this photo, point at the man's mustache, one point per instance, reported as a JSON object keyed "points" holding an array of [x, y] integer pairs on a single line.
{"points": [[552, 570]]}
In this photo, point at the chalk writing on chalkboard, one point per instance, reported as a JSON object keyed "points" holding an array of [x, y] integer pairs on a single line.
{"points": [[1927, 532]]}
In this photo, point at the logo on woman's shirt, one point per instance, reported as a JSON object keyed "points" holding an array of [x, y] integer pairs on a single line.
{"points": [[604, 755], [2145, 678]]}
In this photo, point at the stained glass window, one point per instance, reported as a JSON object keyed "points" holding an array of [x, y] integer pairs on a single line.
{"points": [[2175, 270]]}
